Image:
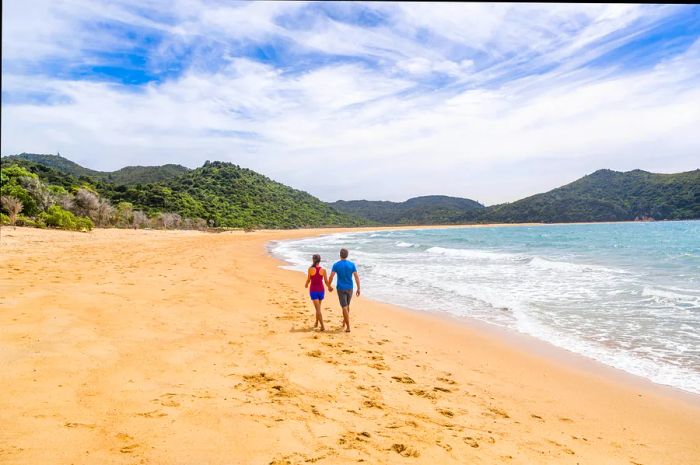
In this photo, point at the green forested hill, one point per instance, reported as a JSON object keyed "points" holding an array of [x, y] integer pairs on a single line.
{"points": [[607, 195], [56, 162], [126, 175], [234, 197], [223, 194], [144, 174], [431, 209]]}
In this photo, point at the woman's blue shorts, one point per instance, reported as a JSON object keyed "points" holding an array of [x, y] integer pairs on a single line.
{"points": [[317, 295]]}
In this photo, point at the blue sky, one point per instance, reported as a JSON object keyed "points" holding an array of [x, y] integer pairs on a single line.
{"points": [[358, 100]]}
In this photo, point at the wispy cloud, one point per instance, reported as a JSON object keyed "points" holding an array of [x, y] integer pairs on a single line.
{"points": [[351, 100]]}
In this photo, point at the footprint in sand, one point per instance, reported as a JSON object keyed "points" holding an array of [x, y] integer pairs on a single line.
{"points": [[79, 425], [403, 379], [404, 450], [471, 442], [421, 393], [379, 366], [370, 403], [352, 440], [564, 448], [498, 412], [152, 414], [129, 448], [446, 380]]}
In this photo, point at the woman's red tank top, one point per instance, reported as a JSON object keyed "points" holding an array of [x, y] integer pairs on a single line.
{"points": [[317, 281]]}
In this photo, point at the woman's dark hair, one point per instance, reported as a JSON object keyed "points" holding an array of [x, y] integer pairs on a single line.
{"points": [[316, 259]]}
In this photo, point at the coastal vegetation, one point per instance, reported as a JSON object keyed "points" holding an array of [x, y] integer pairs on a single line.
{"points": [[52, 191], [215, 195]]}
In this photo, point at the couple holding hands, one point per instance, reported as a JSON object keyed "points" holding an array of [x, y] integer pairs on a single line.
{"points": [[316, 277]]}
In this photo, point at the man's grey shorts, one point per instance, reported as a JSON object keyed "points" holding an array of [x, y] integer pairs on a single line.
{"points": [[344, 296]]}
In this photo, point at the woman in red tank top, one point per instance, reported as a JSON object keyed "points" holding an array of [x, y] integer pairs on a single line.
{"points": [[316, 276]]}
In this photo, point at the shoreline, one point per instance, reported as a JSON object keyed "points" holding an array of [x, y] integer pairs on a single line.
{"points": [[531, 344], [152, 347]]}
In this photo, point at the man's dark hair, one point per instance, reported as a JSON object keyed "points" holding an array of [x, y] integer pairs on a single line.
{"points": [[343, 253]]}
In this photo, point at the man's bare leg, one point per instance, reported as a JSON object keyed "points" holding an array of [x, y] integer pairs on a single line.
{"points": [[346, 318]]}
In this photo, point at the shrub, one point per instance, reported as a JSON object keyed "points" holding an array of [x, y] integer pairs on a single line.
{"points": [[139, 220], [4, 219], [57, 217], [12, 206], [168, 220], [105, 212], [12, 189], [83, 223], [30, 222]]}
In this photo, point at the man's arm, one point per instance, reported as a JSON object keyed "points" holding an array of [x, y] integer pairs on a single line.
{"points": [[330, 281], [357, 281]]}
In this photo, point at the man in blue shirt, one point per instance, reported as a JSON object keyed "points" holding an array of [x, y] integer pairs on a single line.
{"points": [[345, 269]]}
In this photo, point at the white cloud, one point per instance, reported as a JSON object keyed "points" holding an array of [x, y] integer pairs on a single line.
{"points": [[352, 130]]}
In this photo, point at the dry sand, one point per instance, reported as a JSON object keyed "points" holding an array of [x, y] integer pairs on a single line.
{"points": [[146, 347]]}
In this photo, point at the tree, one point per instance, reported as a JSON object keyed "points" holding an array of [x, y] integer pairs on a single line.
{"points": [[104, 213], [85, 203], [38, 190], [139, 220], [124, 214], [169, 220], [12, 205]]}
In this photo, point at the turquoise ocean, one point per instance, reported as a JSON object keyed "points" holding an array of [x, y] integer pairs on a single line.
{"points": [[625, 294]]}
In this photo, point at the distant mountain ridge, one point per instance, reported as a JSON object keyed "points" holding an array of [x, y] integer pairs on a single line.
{"points": [[604, 195], [608, 195], [127, 175], [429, 209]]}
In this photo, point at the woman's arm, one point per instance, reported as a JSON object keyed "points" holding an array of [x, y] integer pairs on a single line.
{"points": [[308, 278]]}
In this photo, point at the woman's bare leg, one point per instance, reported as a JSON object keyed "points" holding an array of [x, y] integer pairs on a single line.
{"points": [[319, 317], [316, 322]]}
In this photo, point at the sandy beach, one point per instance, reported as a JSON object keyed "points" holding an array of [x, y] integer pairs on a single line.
{"points": [[183, 347]]}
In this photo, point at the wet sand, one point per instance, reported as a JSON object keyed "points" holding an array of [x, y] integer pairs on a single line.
{"points": [[152, 347]]}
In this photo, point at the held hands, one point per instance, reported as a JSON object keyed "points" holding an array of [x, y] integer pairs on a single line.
{"points": [[330, 288]]}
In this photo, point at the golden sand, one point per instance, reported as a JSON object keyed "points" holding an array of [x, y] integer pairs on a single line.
{"points": [[149, 347]]}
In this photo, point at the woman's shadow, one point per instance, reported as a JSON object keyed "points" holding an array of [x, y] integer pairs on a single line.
{"points": [[311, 329]]}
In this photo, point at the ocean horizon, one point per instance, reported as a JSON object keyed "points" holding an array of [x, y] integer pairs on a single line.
{"points": [[624, 294]]}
